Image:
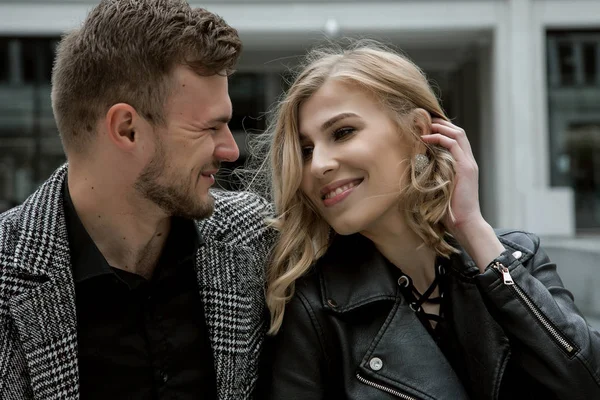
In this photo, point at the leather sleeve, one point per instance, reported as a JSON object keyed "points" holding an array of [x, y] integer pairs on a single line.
{"points": [[550, 339], [297, 356]]}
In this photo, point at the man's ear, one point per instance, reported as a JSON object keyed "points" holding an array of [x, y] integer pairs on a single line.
{"points": [[122, 124], [421, 120]]}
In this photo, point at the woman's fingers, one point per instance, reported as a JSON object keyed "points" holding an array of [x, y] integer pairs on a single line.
{"points": [[452, 131], [465, 160], [446, 142]]}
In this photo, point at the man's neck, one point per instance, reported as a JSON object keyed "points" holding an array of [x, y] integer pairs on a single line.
{"points": [[130, 234]]}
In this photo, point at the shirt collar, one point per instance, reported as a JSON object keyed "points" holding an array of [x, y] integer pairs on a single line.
{"points": [[86, 260]]}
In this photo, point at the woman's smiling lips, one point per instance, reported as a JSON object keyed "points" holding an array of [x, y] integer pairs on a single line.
{"points": [[337, 191]]}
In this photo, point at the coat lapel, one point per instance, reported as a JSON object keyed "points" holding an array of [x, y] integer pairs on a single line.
{"points": [[44, 311], [354, 274], [233, 314], [410, 358]]}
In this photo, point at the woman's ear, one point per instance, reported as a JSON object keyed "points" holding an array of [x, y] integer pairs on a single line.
{"points": [[421, 121], [421, 126]]}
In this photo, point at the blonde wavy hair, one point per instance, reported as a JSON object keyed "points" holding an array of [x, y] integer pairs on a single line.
{"points": [[303, 235]]}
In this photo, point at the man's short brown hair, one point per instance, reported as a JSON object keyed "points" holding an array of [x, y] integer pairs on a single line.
{"points": [[124, 53]]}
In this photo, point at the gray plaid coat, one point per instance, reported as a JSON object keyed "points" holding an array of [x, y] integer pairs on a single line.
{"points": [[38, 332]]}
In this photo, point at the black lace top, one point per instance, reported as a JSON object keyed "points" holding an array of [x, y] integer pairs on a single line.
{"points": [[443, 333]]}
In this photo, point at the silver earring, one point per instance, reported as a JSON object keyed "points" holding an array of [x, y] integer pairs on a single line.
{"points": [[421, 162]]}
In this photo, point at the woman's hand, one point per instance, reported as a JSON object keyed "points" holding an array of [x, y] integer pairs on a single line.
{"points": [[468, 226], [465, 201]]}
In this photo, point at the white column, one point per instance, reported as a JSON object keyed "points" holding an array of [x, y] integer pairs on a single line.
{"points": [[487, 164], [525, 199], [507, 194], [521, 115]]}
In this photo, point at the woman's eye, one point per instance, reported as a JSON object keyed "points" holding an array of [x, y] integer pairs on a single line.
{"points": [[307, 152], [342, 132]]}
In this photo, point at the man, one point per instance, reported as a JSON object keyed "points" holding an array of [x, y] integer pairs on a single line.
{"points": [[108, 288]]}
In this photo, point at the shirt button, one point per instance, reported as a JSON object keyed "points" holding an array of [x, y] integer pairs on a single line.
{"points": [[376, 364]]}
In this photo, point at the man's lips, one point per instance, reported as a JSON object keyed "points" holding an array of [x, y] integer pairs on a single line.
{"points": [[209, 173]]}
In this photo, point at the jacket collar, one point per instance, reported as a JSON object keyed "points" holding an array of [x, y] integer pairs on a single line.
{"points": [[354, 273], [44, 310]]}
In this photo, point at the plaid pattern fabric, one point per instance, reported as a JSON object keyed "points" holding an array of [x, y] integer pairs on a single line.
{"points": [[38, 332]]}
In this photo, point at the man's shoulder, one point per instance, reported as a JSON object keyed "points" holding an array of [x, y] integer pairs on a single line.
{"points": [[237, 214], [238, 201], [9, 216], [9, 221]]}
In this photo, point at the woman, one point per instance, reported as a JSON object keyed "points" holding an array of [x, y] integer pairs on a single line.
{"points": [[386, 281]]}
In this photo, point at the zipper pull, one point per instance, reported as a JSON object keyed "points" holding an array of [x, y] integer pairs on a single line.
{"points": [[505, 273]]}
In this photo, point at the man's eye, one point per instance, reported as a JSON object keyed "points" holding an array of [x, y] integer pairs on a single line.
{"points": [[342, 132]]}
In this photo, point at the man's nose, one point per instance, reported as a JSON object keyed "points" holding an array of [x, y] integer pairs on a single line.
{"points": [[226, 148]]}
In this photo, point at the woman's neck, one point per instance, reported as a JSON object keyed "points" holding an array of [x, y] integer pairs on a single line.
{"points": [[406, 250]]}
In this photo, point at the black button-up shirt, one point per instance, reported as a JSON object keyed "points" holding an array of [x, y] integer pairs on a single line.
{"points": [[138, 338]]}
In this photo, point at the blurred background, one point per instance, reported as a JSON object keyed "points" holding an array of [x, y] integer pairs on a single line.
{"points": [[521, 76]]}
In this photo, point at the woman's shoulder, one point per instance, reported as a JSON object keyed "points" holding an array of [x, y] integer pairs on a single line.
{"points": [[524, 245], [308, 289], [516, 238]]}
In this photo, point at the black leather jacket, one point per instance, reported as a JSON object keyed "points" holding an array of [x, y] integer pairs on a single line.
{"points": [[349, 334]]}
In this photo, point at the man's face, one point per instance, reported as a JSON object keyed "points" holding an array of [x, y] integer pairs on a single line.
{"points": [[188, 152]]}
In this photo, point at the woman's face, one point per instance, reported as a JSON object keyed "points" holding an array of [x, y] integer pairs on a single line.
{"points": [[354, 157]]}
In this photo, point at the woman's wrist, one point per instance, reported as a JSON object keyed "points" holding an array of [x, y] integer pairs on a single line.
{"points": [[480, 242]]}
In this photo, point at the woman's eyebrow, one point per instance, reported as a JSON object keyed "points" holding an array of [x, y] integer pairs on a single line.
{"points": [[327, 124]]}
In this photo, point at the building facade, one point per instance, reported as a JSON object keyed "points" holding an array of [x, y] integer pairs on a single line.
{"points": [[521, 76]]}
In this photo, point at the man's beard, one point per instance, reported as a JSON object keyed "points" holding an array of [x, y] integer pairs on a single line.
{"points": [[174, 198]]}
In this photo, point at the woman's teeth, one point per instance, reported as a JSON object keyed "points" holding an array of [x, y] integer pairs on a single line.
{"points": [[340, 190]]}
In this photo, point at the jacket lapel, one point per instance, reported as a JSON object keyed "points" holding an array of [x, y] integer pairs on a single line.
{"points": [[411, 362], [44, 311], [233, 314], [355, 274]]}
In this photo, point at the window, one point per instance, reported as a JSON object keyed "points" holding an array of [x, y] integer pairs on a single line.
{"points": [[574, 120], [37, 56], [590, 62], [30, 148], [566, 59], [4, 65], [248, 98]]}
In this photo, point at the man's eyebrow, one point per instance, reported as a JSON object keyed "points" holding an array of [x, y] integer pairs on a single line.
{"points": [[220, 120]]}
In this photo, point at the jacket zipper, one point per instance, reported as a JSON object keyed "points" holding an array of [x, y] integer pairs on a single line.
{"points": [[384, 388], [554, 333]]}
